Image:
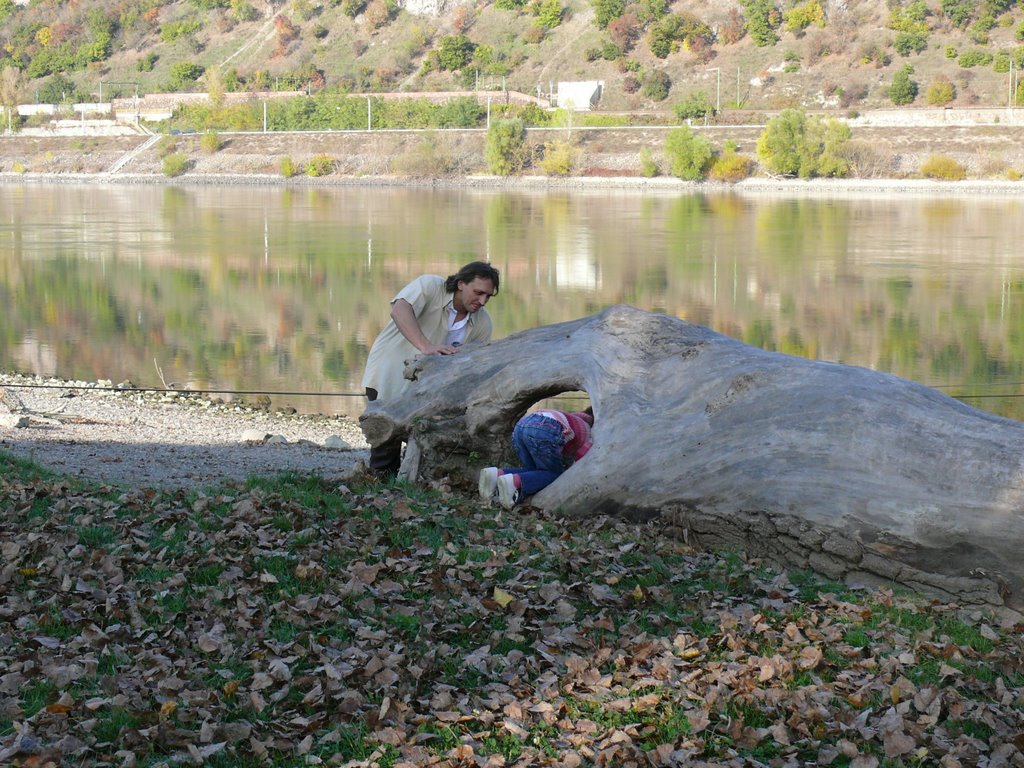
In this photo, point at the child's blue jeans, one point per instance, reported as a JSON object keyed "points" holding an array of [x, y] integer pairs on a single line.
{"points": [[539, 442]]}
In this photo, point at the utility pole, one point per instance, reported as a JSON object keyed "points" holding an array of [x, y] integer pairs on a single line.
{"points": [[718, 88], [1009, 99]]}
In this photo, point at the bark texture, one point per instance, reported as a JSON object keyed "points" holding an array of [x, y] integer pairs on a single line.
{"points": [[858, 475]]}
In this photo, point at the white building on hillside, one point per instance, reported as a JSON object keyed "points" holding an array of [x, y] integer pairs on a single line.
{"points": [[579, 96]]}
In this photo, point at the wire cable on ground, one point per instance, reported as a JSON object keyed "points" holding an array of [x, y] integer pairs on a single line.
{"points": [[203, 391]]}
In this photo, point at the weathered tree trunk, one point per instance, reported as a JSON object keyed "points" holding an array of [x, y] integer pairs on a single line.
{"points": [[858, 475]]}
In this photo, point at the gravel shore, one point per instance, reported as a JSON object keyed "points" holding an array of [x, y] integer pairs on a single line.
{"points": [[127, 436]]}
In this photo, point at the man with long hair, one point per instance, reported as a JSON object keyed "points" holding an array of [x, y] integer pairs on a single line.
{"points": [[432, 315]]}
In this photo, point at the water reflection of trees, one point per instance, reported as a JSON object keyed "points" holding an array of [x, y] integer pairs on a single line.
{"points": [[285, 289]]}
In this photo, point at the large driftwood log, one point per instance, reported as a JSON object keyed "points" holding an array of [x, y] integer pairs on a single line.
{"points": [[858, 475]]}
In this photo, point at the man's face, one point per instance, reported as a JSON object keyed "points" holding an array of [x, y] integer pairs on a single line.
{"points": [[471, 296]]}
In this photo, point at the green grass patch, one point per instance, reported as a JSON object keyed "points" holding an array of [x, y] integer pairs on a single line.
{"points": [[37, 695]]}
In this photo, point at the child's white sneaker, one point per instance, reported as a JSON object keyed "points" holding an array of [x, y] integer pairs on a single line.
{"points": [[488, 482], [508, 494]]}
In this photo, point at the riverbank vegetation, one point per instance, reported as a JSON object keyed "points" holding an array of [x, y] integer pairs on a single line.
{"points": [[293, 621]]}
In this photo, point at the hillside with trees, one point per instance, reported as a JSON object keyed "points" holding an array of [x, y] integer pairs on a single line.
{"points": [[652, 55]]}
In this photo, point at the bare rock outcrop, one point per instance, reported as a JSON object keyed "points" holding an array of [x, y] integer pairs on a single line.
{"points": [[855, 474]]}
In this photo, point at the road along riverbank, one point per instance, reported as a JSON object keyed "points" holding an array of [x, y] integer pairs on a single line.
{"points": [[992, 154]]}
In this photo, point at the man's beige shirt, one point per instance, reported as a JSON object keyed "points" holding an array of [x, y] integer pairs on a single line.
{"points": [[430, 302]]}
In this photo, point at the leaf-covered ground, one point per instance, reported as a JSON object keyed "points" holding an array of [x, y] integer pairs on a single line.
{"points": [[290, 622]]}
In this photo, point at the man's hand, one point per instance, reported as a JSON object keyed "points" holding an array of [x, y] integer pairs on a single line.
{"points": [[405, 318], [439, 349]]}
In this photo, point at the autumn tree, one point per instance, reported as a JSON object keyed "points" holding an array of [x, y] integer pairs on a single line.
{"points": [[462, 19], [286, 32], [11, 86], [379, 13], [800, 17], [733, 30], [940, 92], [624, 31], [214, 87]]}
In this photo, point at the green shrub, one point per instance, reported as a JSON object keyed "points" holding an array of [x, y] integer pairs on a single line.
{"points": [[731, 166], [676, 30], [975, 59], [184, 75], [18, 167], [505, 147], [430, 157], [652, 10], [549, 13], [605, 11], [610, 51], [175, 164], [800, 17], [210, 142], [58, 89], [656, 85], [763, 18], [940, 93], [320, 165], [1012, 174], [648, 165], [795, 144], [174, 30], [694, 106], [166, 146], [960, 12], [560, 158], [289, 167], [243, 11], [903, 89], [455, 52], [907, 43], [943, 167], [977, 33], [689, 155]]}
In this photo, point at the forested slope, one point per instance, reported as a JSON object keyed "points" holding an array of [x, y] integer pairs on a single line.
{"points": [[651, 54]]}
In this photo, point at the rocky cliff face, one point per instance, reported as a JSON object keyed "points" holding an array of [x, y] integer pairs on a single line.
{"points": [[426, 7]]}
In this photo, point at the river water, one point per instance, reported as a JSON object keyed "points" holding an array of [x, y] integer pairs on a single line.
{"points": [[284, 289]]}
